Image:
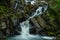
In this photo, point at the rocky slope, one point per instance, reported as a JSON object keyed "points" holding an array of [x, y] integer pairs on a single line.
{"points": [[47, 24]]}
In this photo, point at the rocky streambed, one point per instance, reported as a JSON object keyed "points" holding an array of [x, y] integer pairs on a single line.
{"points": [[44, 24]]}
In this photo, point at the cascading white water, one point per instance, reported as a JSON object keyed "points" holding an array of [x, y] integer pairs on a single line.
{"points": [[25, 28], [25, 25], [15, 5], [36, 13], [31, 1], [39, 11]]}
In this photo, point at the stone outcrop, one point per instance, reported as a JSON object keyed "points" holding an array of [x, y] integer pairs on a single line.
{"points": [[46, 24]]}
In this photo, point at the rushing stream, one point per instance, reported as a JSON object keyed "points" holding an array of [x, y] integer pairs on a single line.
{"points": [[26, 36], [25, 28]]}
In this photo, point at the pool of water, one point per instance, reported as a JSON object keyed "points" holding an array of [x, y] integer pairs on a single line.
{"points": [[31, 37]]}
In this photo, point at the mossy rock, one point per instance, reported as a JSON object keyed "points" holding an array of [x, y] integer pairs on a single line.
{"points": [[3, 38]]}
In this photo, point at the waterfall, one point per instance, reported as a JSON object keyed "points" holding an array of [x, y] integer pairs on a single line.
{"points": [[15, 5], [31, 1], [39, 11], [25, 27]]}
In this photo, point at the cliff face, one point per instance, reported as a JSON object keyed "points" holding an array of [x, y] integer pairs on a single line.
{"points": [[48, 23]]}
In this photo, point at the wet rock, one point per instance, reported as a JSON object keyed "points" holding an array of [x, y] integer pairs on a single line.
{"points": [[34, 21], [40, 22], [42, 32], [0, 33], [17, 33], [32, 31], [3, 37], [3, 25]]}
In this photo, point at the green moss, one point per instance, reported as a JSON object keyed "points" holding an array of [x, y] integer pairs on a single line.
{"points": [[51, 33], [3, 11]]}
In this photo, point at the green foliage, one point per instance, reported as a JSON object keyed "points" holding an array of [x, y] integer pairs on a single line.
{"points": [[53, 14], [3, 11]]}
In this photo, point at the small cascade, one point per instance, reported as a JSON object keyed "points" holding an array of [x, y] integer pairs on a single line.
{"points": [[25, 27], [15, 6], [30, 1], [39, 11]]}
